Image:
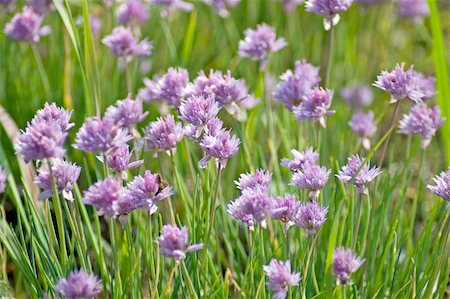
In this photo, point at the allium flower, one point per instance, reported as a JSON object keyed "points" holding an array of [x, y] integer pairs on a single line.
{"points": [[26, 26], [41, 6], [8, 5], [281, 277], [148, 93], [309, 156], [65, 175], [259, 43], [426, 84], [442, 185], [259, 179], [222, 6], [168, 6], [253, 206], [3, 178], [310, 216], [79, 285], [126, 113], [174, 242], [122, 43], [100, 135], [52, 113], [163, 134], [119, 160], [400, 84], [345, 262], [357, 96], [422, 120], [360, 180], [284, 208], [291, 5], [329, 9], [221, 146], [106, 196], [364, 126], [211, 127], [132, 12], [415, 10], [294, 86], [315, 106], [197, 111], [311, 177]]}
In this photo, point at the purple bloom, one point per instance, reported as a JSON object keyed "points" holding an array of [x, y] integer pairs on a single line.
{"points": [[400, 84], [100, 135], [357, 96], [52, 113], [132, 12], [364, 126], [119, 160], [41, 6], [422, 120], [198, 111], [3, 178], [95, 23], [426, 84], [163, 134], [106, 196], [345, 262], [310, 216], [291, 5], [79, 285], [309, 156], [26, 26], [168, 6], [442, 185], [259, 43], [294, 86], [285, 208], [281, 277], [329, 9], [148, 93], [253, 206], [65, 174], [311, 177], [360, 180], [222, 6], [126, 113], [122, 44], [315, 105], [174, 241], [221, 146], [8, 5], [259, 179], [415, 10]]}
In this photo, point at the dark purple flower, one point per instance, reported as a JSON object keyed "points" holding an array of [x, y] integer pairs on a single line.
{"points": [[119, 160], [174, 242], [364, 126], [294, 86], [442, 185], [259, 179], [281, 277], [26, 26], [329, 9], [198, 111], [132, 12], [310, 216], [345, 262], [100, 135], [311, 177], [126, 113], [357, 96], [300, 159], [106, 196], [414, 10], [222, 6], [79, 285], [163, 134], [284, 208], [122, 44], [221, 146], [349, 173], [168, 6], [3, 178], [315, 106]]}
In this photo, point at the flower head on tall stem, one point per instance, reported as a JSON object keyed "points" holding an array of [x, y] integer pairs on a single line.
{"points": [[329, 9], [414, 10], [315, 106], [174, 242], [123, 44], [311, 177], [26, 26], [284, 208], [198, 111], [126, 113], [222, 6], [349, 173], [163, 134], [106, 196], [357, 96], [310, 216], [426, 84], [281, 277], [169, 6], [119, 160], [345, 262], [259, 179], [3, 179], [221, 146], [442, 185], [79, 285], [290, 5], [364, 126], [132, 12], [300, 159]]}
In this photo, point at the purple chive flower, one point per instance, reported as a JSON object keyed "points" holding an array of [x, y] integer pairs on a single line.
{"points": [[309, 156], [197, 111], [52, 113], [259, 43], [315, 106], [442, 185], [132, 12], [422, 120], [310, 216], [122, 43], [414, 10], [170, 87], [253, 206], [3, 178], [168, 6], [8, 5], [65, 174], [221, 146], [400, 84], [294, 86], [173, 242], [364, 126], [106, 196], [163, 134], [311, 177], [100, 135], [284, 208], [26, 26], [357, 96], [79, 285], [345, 262], [222, 6], [349, 172], [259, 179], [126, 113], [329, 9], [426, 84], [119, 160], [281, 277], [148, 93], [290, 5], [41, 6]]}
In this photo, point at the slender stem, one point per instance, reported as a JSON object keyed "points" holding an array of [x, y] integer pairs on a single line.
{"points": [[41, 69], [394, 116], [329, 56], [358, 222], [127, 76], [308, 260], [169, 202], [170, 41], [169, 283], [114, 247], [212, 208], [188, 279]]}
